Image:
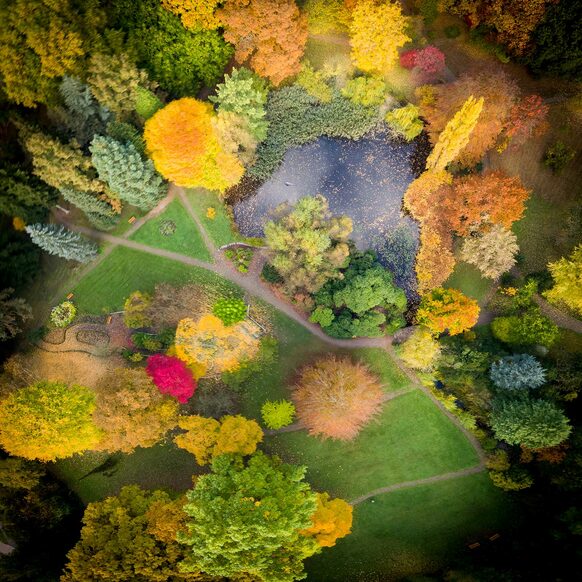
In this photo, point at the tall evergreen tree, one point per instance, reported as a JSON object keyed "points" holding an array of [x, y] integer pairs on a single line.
{"points": [[98, 212], [131, 177], [58, 240]]}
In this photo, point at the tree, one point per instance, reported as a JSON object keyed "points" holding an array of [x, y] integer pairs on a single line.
{"points": [[60, 165], [517, 372], [42, 41], [57, 240], [14, 311], [493, 253], [499, 93], [17, 473], [131, 177], [478, 199], [234, 136], [184, 148], [309, 244], [195, 13], [130, 538], [48, 421], [532, 423], [449, 310], [516, 479], [435, 260], [114, 81], [267, 504], [207, 438], [364, 290], [405, 121], [315, 82], [331, 521], [567, 276], [211, 347], [376, 34], [99, 213], [171, 376], [270, 34], [131, 411], [136, 310], [526, 120], [366, 91], [181, 60], [335, 397], [244, 94], [420, 350], [455, 136], [277, 414], [528, 328], [325, 16]]}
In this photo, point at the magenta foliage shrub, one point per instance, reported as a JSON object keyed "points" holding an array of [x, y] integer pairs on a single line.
{"points": [[408, 59], [171, 376], [429, 60]]}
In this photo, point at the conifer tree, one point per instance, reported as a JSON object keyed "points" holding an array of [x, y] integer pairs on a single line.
{"points": [[131, 177], [455, 135], [98, 212], [59, 241]]}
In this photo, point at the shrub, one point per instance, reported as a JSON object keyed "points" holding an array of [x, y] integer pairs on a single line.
{"points": [[147, 341], [517, 372], [566, 275], [241, 257], [314, 82], [534, 424], [230, 310], [366, 91], [135, 310], [405, 121], [167, 227], [558, 156], [336, 397], [63, 314], [171, 376], [146, 103], [528, 328], [277, 414], [515, 479], [420, 350]]}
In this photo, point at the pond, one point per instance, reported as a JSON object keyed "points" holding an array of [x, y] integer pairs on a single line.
{"points": [[363, 179]]}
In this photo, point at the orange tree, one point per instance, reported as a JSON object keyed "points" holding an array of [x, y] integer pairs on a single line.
{"points": [[331, 521], [270, 34], [181, 141], [449, 310]]}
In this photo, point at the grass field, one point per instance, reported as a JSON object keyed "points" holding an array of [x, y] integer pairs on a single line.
{"points": [[220, 229], [186, 239], [105, 288], [413, 531], [469, 280], [410, 439]]}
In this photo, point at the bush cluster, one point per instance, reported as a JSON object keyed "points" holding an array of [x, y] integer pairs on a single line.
{"points": [[63, 314]]}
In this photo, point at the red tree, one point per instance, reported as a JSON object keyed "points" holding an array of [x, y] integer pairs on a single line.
{"points": [[171, 376], [430, 60], [408, 59], [527, 119]]}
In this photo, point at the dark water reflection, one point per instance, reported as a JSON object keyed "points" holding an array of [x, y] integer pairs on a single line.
{"points": [[363, 179]]}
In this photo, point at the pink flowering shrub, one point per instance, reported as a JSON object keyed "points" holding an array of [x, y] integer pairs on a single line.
{"points": [[171, 376], [408, 59]]}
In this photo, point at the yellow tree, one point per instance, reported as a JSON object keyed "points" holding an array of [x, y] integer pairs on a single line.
{"points": [[455, 136], [200, 436], [419, 350], [195, 13], [567, 275], [376, 34], [331, 521]]}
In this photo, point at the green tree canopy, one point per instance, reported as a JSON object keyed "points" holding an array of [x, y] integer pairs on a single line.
{"points": [[567, 275], [246, 517], [13, 312], [57, 240]]}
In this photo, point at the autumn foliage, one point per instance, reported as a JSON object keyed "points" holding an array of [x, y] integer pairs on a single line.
{"points": [[181, 141], [171, 376], [195, 13], [449, 310], [331, 521], [335, 397], [270, 34]]}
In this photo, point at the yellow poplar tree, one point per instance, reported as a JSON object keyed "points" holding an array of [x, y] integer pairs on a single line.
{"points": [[455, 136], [376, 34]]}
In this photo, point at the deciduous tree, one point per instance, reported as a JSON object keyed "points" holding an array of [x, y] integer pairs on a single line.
{"points": [[526, 120], [171, 376], [14, 311], [528, 328], [18, 473], [270, 34], [195, 13], [131, 411], [377, 31], [405, 121], [57, 240], [420, 350], [266, 504], [335, 398], [449, 310], [183, 146], [567, 275], [48, 421], [493, 252], [309, 244], [435, 260], [331, 521], [533, 423]]}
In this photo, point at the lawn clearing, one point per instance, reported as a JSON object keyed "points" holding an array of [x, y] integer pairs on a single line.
{"points": [[106, 287], [410, 439], [469, 280], [186, 239], [164, 466], [414, 531], [221, 227]]}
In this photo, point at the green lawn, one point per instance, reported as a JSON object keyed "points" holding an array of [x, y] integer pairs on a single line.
{"points": [[469, 280], [164, 466], [105, 288], [186, 240], [413, 531], [220, 229], [410, 439]]}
